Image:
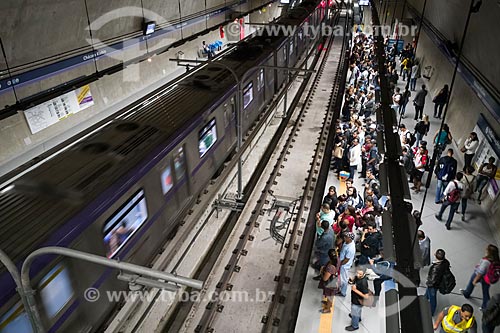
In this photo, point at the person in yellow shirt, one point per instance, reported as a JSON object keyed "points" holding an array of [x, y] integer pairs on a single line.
{"points": [[455, 319]]}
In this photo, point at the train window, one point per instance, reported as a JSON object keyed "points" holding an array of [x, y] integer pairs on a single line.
{"points": [[291, 46], [124, 223], [167, 181], [260, 80], [180, 164], [15, 320], [208, 137], [248, 95], [55, 290]]}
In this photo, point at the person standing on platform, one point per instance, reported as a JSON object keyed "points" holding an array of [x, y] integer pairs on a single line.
{"points": [[323, 243], [434, 278], [365, 156], [346, 257], [419, 102], [425, 248], [442, 139], [359, 292], [421, 129], [405, 98], [414, 76], [331, 198], [452, 197], [354, 158], [456, 319], [491, 315], [327, 273], [469, 149], [420, 161], [482, 274], [445, 171], [469, 180], [486, 172], [440, 101]]}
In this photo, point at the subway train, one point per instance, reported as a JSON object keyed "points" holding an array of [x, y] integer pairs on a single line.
{"points": [[121, 191]]}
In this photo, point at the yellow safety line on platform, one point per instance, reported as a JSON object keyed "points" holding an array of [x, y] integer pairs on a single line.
{"points": [[326, 320]]}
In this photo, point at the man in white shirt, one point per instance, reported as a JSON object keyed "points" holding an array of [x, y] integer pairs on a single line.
{"points": [[404, 133], [453, 195], [354, 157]]}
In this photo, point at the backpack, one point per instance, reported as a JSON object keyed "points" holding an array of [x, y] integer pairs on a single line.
{"points": [[469, 190], [454, 195], [420, 127], [491, 316], [493, 274], [361, 203], [412, 139], [448, 282], [445, 170]]}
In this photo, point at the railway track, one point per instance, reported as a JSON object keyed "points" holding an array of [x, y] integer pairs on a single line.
{"points": [[233, 271]]}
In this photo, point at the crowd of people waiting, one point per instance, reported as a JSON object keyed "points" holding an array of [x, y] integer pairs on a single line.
{"points": [[348, 226]]}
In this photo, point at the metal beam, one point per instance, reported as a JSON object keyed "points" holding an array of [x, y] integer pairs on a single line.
{"points": [[32, 309]]}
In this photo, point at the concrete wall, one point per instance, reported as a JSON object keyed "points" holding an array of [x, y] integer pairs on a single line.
{"points": [[481, 44], [110, 93], [480, 48]]}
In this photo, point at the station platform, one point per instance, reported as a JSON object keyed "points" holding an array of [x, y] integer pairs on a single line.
{"points": [[464, 244]]}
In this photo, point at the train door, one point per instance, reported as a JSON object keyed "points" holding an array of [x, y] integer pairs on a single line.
{"points": [[181, 179], [229, 109], [261, 91], [269, 77], [281, 61]]}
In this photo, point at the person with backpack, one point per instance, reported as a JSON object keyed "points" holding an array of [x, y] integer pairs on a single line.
{"points": [[487, 272], [491, 315], [442, 139], [421, 129], [446, 169], [407, 160], [435, 277], [404, 133], [453, 194], [469, 180]]}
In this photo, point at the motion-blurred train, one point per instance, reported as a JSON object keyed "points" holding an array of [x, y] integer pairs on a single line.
{"points": [[120, 191]]}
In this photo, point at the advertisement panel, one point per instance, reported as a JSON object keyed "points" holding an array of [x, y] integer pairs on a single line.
{"points": [[56, 109]]}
